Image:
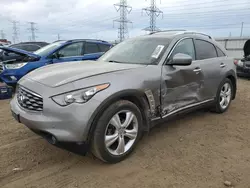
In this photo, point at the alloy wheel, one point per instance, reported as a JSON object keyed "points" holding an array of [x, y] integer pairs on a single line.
{"points": [[121, 132], [225, 95]]}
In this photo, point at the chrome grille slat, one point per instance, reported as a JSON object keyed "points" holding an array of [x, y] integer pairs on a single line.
{"points": [[1, 67], [29, 100]]}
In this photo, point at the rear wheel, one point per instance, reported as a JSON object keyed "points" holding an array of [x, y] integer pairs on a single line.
{"points": [[224, 96], [117, 132]]}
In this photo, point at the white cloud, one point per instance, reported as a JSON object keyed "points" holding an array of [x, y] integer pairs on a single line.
{"points": [[93, 18]]}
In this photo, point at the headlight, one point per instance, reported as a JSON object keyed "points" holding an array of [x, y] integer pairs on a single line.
{"points": [[78, 96], [15, 65]]}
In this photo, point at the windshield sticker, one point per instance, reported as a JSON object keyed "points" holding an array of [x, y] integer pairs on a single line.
{"points": [[157, 51]]}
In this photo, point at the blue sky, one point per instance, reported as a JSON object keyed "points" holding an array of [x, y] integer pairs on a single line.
{"points": [[93, 18]]}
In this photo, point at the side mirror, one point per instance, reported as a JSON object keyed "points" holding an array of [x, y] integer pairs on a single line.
{"points": [[181, 59]]}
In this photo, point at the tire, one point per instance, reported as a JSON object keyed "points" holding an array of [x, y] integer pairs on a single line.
{"points": [[218, 107], [105, 129]]}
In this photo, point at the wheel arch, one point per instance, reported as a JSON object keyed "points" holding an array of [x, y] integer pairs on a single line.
{"points": [[137, 97], [233, 78]]}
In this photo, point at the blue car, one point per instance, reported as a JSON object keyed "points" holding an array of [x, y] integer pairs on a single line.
{"points": [[57, 52]]}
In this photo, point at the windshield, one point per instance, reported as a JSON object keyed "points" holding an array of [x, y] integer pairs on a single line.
{"points": [[137, 51], [44, 51]]}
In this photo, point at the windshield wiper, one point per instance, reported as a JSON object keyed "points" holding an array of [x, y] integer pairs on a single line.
{"points": [[113, 61]]}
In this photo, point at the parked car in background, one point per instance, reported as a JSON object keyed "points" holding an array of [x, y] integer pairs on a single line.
{"points": [[27, 46], [243, 65], [56, 52], [106, 105]]}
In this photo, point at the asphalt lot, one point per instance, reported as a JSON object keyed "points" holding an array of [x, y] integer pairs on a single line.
{"points": [[201, 149]]}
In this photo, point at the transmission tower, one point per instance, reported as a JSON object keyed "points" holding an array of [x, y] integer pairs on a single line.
{"points": [[15, 32], [32, 30], [123, 20], [153, 12], [2, 35]]}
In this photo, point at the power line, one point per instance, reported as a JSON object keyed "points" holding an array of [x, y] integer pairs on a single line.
{"points": [[153, 12], [2, 34], [32, 30], [124, 11], [15, 32]]}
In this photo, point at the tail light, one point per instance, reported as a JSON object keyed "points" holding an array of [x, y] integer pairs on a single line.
{"points": [[236, 62], [239, 63]]}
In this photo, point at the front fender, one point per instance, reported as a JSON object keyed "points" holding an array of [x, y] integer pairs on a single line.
{"points": [[138, 96]]}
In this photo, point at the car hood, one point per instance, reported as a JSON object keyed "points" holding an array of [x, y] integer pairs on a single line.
{"points": [[247, 48], [59, 74], [19, 52]]}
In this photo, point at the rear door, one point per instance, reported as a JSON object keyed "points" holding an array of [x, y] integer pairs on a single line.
{"points": [[104, 47], [211, 66], [70, 52], [181, 85], [92, 51]]}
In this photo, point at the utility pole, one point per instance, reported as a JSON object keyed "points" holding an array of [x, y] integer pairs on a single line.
{"points": [[2, 35], [123, 20], [241, 31], [58, 36], [15, 32], [153, 12], [32, 30]]}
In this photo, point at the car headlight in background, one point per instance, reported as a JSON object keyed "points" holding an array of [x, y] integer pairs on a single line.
{"points": [[240, 63], [15, 65], [79, 96]]}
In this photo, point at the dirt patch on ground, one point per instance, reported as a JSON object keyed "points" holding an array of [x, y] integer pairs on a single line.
{"points": [[201, 149]]}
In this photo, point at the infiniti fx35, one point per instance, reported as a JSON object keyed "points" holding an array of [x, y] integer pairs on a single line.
{"points": [[106, 105]]}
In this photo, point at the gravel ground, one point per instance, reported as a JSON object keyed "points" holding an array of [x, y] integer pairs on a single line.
{"points": [[201, 149]]}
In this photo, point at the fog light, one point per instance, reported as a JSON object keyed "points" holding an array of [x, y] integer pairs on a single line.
{"points": [[13, 78]]}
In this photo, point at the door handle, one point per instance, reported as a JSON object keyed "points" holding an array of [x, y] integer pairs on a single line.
{"points": [[222, 65], [197, 70]]}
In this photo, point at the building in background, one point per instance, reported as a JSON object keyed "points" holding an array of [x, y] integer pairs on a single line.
{"points": [[234, 45]]}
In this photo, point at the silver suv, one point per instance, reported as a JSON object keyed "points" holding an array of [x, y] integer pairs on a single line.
{"points": [[105, 106]]}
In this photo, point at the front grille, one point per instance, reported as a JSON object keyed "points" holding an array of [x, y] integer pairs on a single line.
{"points": [[247, 64], [1, 67], [29, 100]]}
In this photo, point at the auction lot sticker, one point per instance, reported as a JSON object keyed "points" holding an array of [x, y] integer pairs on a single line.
{"points": [[157, 51]]}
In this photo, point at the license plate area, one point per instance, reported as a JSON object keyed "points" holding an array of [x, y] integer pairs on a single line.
{"points": [[16, 116]]}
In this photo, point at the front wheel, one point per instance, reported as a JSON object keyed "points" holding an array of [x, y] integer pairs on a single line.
{"points": [[117, 132], [224, 96]]}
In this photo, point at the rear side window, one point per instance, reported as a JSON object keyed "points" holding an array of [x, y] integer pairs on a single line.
{"points": [[71, 50], [220, 52], [104, 47], [204, 50], [91, 48]]}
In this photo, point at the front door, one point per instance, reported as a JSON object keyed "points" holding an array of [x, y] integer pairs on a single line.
{"points": [[181, 85]]}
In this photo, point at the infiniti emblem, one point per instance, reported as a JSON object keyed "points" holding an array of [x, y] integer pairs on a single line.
{"points": [[22, 98]]}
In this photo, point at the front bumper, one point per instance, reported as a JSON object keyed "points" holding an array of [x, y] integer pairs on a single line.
{"points": [[243, 71], [66, 124], [11, 76]]}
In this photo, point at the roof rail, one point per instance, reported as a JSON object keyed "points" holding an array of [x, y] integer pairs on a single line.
{"points": [[199, 33], [184, 32], [86, 40], [169, 30]]}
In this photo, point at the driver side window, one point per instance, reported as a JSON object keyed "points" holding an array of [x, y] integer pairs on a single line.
{"points": [[75, 49], [186, 46]]}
